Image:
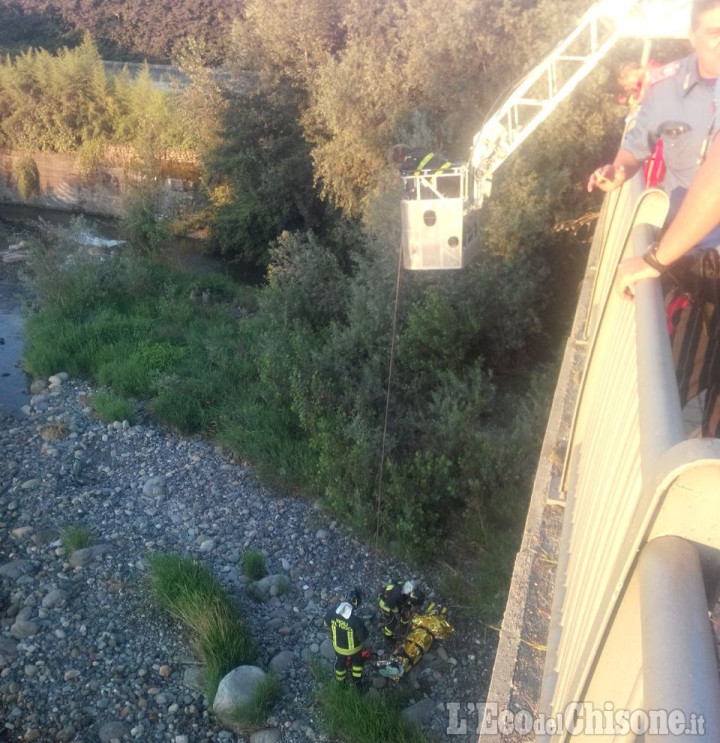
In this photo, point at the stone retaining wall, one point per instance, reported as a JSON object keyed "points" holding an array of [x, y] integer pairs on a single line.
{"points": [[63, 185]]}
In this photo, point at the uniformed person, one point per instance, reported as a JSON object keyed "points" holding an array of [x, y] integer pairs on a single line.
{"points": [[348, 635], [414, 160], [681, 108], [698, 214], [396, 602]]}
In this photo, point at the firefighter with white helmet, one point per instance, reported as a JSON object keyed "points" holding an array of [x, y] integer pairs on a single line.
{"points": [[348, 636]]}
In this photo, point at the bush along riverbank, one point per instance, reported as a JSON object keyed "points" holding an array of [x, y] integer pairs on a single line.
{"points": [[291, 377], [86, 652]]}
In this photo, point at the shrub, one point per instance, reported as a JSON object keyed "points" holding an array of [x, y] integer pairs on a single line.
{"points": [[176, 404], [90, 157], [352, 717], [253, 564], [135, 366], [111, 407], [145, 230], [75, 538], [27, 177], [305, 280]]}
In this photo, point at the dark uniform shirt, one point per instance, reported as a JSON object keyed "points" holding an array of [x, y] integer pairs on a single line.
{"points": [[417, 160], [680, 108], [348, 635], [393, 599]]}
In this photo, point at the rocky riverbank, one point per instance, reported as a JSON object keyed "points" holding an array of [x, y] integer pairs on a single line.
{"points": [[85, 654]]}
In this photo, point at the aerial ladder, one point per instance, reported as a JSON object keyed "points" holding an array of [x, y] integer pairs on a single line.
{"points": [[439, 229]]}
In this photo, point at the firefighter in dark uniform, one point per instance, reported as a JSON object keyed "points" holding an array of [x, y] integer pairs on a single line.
{"points": [[680, 108], [348, 635], [413, 160], [397, 601]]}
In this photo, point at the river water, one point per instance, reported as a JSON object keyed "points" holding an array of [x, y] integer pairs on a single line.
{"points": [[13, 380], [15, 223]]}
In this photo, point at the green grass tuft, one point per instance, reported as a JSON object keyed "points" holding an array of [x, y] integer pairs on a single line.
{"points": [[282, 586], [256, 711], [352, 717], [75, 538], [253, 564], [111, 407], [190, 591]]}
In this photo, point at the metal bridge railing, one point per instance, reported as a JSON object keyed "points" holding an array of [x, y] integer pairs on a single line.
{"points": [[629, 627]]}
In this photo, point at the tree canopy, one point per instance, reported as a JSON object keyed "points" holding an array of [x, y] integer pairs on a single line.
{"points": [[127, 30], [65, 102]]}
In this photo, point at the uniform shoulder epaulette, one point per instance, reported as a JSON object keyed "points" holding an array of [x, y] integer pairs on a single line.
{"points": [[658, 74]]}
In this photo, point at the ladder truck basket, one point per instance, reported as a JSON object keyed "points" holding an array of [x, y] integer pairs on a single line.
{"points": [[434, 233]]}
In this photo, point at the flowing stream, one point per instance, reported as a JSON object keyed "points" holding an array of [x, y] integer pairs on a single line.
{"points": [[14, 383]]}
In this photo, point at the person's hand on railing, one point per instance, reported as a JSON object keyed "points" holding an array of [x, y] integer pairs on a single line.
{"points": [[607, 178], [632, 270]]}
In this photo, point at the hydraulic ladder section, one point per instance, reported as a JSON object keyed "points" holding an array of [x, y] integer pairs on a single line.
{"points": [[439, 228], [551, 81]]}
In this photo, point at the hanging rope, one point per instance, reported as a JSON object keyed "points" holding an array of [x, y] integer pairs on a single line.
{"points": [[387, 398]]}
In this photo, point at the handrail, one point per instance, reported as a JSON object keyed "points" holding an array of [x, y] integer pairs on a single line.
{"points": [[631, 479], [631, 193]]}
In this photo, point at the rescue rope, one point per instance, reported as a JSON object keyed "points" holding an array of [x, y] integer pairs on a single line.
{"points": [[391, 364]]}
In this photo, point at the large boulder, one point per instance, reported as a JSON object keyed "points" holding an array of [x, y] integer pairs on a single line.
{"points": [[271, 735], [270, 585], [420, 712], [237, 688], [283, 662]]}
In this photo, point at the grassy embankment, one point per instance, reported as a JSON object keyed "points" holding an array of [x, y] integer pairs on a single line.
{"points": [[149, 335], [205, 354]]}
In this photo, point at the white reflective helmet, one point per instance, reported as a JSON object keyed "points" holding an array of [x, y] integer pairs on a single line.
{"points": [[344, 610], [408, 587]]}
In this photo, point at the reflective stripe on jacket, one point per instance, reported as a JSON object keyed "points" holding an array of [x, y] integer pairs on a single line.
{"points": [[348, 635]]}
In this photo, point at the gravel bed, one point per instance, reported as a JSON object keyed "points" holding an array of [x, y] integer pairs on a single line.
{"points": [[86, 655]]}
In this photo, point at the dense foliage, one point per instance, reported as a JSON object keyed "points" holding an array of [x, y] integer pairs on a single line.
{"points": [[66, 103], [332, 84], [294, 375], [125, 29]]}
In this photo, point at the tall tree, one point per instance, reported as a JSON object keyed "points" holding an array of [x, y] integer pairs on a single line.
{"points": [[290, 38], [130, 30], [412, 72]]}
